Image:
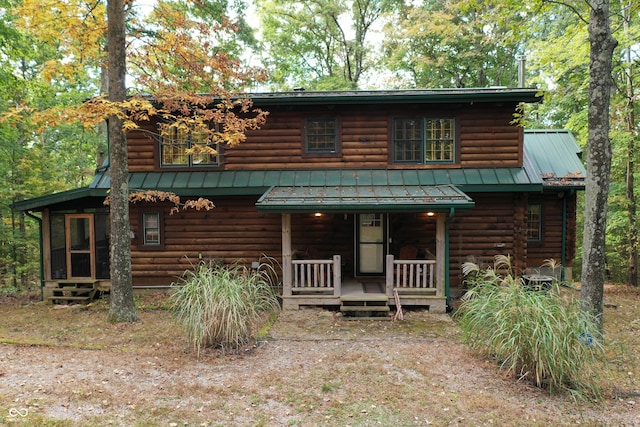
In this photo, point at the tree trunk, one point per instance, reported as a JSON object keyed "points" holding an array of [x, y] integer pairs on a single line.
{"points": [[602, 44], [122, 307], [630, 127]]}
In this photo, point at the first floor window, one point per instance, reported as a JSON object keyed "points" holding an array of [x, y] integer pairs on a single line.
{"points": [[534, 222], [181, 147], [423, 140], [151, 228]]}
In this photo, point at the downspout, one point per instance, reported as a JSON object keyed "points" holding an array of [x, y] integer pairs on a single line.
{"points": [[41, 243], [563, 257], [452, 212]]}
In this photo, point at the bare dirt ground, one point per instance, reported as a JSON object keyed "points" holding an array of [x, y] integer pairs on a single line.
{"points": [[68, 366]]}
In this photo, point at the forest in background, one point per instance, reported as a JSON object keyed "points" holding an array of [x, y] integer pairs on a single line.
{"points": [[318, 45]]}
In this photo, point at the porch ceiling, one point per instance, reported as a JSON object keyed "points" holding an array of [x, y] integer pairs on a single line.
{"points": [[363, 198]]}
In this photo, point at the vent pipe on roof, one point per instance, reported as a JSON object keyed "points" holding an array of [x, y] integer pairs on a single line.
{"points": [[522, 59]]}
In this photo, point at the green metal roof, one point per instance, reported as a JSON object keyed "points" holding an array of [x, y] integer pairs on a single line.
{"points": [[257, 182], [59, 198], [554, 156], [394, 96], [224, 183], [363, 198], [551, 160], [410, 96]]}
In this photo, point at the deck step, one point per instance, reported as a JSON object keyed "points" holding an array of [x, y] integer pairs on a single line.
{"points": [[364, 297], [356, 317], [71, 290], [66, 292], [69, 298], [360, 308], [364, 307]]}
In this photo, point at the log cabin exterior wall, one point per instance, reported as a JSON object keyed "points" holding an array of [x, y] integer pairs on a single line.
{"points": [[488, 230], [233, 231], [485, 137], [550, 245], [236, 232]]}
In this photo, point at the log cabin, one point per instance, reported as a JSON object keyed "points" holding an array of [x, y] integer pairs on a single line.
{"points": [[366, 199]]}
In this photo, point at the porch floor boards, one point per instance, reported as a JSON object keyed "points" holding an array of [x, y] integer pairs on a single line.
{"points": [[356, 290]]}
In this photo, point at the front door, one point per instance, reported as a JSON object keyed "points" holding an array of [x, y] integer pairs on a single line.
{"points": [[80, 246], [371, 244]]}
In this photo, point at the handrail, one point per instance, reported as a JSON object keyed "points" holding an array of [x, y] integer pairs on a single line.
{"points": [[317, 274], [411, 274]]}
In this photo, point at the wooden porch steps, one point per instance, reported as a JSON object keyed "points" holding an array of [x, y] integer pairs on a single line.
{"points": [[369, 308], [69, 291]]}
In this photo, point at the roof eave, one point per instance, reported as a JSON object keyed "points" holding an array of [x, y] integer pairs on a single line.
{"points": [[351, 208], [426, 96], [39, 203], [564, 186]]}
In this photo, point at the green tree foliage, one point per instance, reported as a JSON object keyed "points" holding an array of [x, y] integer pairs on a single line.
{"points": [[185, 54], [320, 44], [559, 58], [464, 43], [26, 156]]}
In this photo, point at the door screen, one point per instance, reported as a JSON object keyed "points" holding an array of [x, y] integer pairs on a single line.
{"points": [[371, 243], [80, 246]]}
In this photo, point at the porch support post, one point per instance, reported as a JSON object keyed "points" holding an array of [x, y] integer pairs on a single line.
{"points": [[337, 275], [286, 255], [440, 254], [46, 243], [389, 284]]}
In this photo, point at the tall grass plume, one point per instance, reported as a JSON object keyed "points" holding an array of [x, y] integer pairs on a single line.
{"points": [[222, 306], [539, 336]]}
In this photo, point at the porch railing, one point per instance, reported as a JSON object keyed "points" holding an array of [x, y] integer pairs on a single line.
{"points": [[317, 275], [412, 275]]}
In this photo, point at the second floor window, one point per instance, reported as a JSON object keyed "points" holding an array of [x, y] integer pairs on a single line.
{"points": [[182, 148], [321, 136], [423, 140]]}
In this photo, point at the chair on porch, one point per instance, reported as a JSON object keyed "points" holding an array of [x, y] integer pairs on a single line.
{"points": [[408, 252]]}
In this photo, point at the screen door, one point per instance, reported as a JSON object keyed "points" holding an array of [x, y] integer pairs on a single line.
{"points": [[370, 244]]}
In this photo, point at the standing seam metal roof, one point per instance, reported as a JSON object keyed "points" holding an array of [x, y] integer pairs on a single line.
{"points": [[550, 160]]}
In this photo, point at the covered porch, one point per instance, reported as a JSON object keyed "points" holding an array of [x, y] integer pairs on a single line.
{"points": [[320, 282], [372, 276]]}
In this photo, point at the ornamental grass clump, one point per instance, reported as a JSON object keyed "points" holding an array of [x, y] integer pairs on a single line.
{"points": [[222, 306], [538, 336]]}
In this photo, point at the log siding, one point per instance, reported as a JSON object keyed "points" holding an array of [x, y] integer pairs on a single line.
{"points": [[233, 231], [485, 137]]}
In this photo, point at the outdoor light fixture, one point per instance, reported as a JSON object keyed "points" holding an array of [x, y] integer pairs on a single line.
{"points": [[317, 214], [431, 213]]}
